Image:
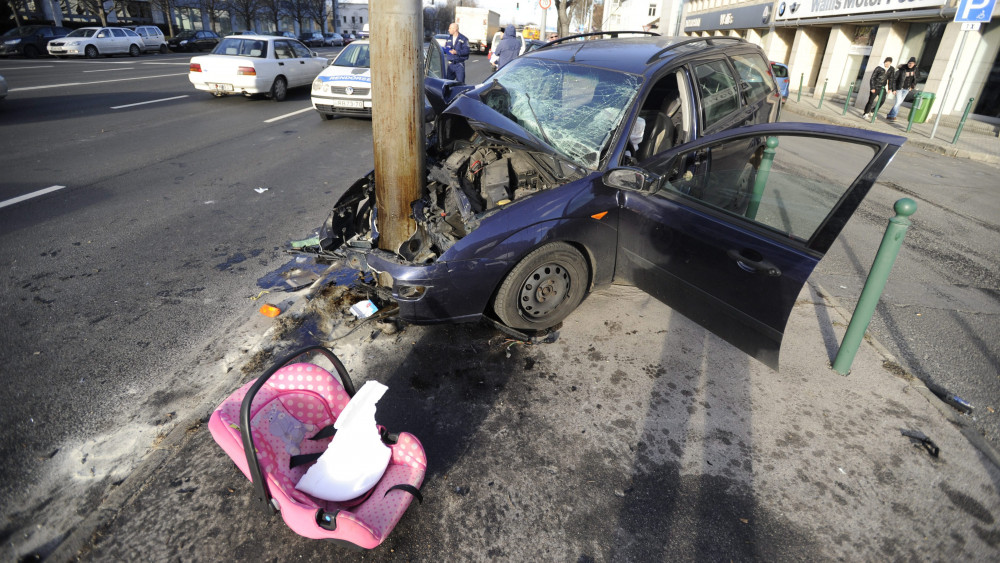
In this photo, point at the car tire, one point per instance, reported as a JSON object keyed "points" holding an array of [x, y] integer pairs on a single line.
{"points": [[328, 116], [163, 49], [31, 52], [543, 289], [91, 52], [279, 89], [134, 50]]}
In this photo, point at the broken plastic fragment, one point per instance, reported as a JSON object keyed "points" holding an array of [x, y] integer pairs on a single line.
{"points": [[270, 311], [313, 241], [260, 190], [356, 457], [364, 309]]}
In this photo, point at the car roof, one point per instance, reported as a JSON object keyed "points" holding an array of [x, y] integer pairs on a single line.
{"points": [[255, 36], [636, 55]]}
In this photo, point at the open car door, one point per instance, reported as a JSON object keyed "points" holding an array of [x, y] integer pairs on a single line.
{"points": [[727, 229]]}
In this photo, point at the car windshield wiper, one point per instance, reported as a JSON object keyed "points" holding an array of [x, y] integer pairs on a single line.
{"points": [[538, 123]]}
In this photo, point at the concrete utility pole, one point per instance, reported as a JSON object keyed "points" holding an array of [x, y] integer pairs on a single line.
{"points": [[397, 116]]}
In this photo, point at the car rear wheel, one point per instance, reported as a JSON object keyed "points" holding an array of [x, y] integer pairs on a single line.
{"points": [[279, 89], [134, 51], [543, 289], [743, 188], [91, 52], [163, 49]]}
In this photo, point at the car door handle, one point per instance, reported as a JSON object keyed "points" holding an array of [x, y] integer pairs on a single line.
{"points": [[752, 262], [302, 62], [281, 64]]}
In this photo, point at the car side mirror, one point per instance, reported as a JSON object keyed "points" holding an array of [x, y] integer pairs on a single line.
{"points": [[313, 54], [631, 179]]}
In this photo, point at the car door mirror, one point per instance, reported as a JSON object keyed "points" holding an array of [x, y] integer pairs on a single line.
{"points": [[631, 179]]}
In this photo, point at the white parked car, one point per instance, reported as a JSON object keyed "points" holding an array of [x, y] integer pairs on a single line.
{"points": [[152, 38], [344, 87], [255, 64], [92, 42]]}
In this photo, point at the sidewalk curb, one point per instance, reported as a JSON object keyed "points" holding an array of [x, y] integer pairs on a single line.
{"points": [[952, 152], [120, 495], [980, 443]]}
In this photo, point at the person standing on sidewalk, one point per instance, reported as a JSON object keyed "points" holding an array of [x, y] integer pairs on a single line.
{"points": [[881, 77], [906, 80], [456, 50]]}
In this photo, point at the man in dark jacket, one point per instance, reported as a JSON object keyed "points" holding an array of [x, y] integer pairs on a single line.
{"points": [[456, 50], [509, 48], [880, 78], [906, 80]]}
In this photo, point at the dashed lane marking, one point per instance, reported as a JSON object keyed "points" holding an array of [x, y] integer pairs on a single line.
{"points": [[24, 197]]}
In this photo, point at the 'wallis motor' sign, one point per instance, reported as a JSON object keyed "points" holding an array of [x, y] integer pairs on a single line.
{"points": [[795, 9]]}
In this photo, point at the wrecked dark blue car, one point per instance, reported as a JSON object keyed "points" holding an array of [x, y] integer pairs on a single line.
{"points": [[649, 161]]}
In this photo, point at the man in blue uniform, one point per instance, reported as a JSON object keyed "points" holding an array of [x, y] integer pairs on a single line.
{"points": [[456, 50]]}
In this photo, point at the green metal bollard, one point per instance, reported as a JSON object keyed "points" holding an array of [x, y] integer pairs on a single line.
{"points": [[823, 95], [913, 110], [848, 102], [878, 106], [763, 171], [961, 124], [879, 274], [801, 78]]}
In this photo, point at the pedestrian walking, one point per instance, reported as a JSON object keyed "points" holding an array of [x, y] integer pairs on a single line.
{"points": [[456, 50], [881, 77], [509, 48], [906, 80]]}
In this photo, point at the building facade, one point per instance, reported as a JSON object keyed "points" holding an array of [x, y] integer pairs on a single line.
{"points": [[837, 43], [661, 16]]}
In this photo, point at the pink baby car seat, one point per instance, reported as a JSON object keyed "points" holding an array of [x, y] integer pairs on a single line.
{"points": [[275, 426]]}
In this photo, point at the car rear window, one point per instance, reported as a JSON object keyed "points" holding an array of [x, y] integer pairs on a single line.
{"points": [[754, 71], [236, 47], [780, 71]]}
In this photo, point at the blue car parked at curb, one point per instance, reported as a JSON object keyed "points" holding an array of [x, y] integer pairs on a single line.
{"points": [[781, 77], [646, 160]]}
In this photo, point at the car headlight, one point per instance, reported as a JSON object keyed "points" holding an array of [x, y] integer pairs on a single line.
{"points": [[72, 42], [184, 42], [12, 41], [317, 84]]}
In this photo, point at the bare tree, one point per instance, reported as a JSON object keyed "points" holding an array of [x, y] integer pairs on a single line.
{"points": [[166, 7], [96, 8], [273, 9], [316, 10], [300, 11], [15, 7], [245, 9], [578, 12], [597, 17], [562, 9], [214, 9]]}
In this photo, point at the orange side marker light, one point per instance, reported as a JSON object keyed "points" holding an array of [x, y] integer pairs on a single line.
{"points": [[600, 215], [270, 311]]}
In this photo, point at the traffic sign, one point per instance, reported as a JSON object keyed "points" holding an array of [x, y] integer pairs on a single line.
{"points": [[975, 10]]}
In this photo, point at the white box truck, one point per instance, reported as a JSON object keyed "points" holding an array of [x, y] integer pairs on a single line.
{"points": [[479, 25]]}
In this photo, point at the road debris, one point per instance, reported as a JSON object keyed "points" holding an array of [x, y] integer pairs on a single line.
{"points": [[918, 438]]}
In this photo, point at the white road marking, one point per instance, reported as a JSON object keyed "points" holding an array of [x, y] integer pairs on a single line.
{"points": [[185, 63], [19, 199], [273, 119], [109, 69], [24, 67], [149, 102], [91, 83]]}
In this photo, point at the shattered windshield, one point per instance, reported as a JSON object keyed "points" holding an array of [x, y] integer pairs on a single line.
{"points": [[574, 109]]}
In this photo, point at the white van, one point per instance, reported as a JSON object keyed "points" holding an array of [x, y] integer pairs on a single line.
{"points": [[152, 37]]}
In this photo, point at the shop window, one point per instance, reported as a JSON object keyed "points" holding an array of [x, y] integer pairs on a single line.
{"points": [[652, 10]]}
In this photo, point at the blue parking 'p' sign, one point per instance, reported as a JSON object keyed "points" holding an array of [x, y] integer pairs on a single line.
{"points": [[975, 10]]}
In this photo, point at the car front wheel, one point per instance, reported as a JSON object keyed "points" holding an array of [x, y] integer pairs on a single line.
{"points": [[133, 51], [163, 49], [91, 52], [543, 289], [279, 89]]}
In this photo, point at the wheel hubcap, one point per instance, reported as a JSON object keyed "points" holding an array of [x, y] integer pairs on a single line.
{"points": [[544, 290]]}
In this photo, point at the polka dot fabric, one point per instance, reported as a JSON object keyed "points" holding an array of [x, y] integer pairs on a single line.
{"points": [[297, 401]]}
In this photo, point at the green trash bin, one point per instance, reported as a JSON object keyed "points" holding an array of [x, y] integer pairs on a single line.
{"points": [[922, 106]]}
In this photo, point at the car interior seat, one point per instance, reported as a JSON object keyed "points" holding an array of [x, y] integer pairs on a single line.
{"points": [[662, 135]]}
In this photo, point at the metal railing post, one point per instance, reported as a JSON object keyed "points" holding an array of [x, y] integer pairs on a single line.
{"points": [[823, 95], [763, 171], [848, 101], [961, 124], [892, 241], [801, 78], [913, 109]]}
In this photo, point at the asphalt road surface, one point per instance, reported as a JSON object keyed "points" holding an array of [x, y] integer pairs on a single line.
{"points": [[128, 284]]}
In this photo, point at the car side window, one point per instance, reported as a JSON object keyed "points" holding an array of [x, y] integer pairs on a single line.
{"points": [[664, 119], [103, 33], [119, 33], [301, 52], [753, 71], [718, 91], [282, 50], [787, 184]]}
